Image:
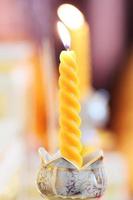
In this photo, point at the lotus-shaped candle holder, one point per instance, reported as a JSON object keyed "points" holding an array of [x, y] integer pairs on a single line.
{"points": [[58, 179]]}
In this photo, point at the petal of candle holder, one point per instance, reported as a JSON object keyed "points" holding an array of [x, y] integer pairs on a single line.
{"points": [[44, 155], [91, 158]]}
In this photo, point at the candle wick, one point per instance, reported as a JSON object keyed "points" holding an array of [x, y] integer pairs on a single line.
{"points": [[67, 47]]}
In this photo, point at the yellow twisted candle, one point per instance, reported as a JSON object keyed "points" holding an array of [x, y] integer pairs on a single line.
{"points": [[70, 145]]}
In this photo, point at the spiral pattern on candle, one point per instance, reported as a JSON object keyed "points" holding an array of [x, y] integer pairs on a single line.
{"points": [[70, 144]]}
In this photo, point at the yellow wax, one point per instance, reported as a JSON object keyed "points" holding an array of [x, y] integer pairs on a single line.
{"points": [[70, 144], [80, 39]]}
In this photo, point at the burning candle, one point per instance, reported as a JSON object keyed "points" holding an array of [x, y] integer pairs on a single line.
{"points": [[79, 31], [69, 106]]}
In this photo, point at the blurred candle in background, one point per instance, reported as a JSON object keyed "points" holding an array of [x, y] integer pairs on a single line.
{"points": [[122, 113], [80, 37], [40, 117], [107, 24], [50, 83], [44, 74]]}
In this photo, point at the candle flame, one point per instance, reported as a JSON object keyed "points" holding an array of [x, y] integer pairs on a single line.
{"points": [[71, 16], [64, 34]]}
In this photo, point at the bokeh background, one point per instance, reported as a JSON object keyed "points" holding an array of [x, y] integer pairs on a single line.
{"points": [[29, 59]]}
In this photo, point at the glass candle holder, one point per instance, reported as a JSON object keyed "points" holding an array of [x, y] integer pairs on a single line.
{"points": [[60, 179]]}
